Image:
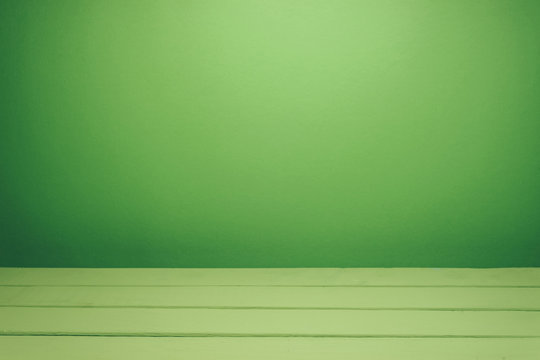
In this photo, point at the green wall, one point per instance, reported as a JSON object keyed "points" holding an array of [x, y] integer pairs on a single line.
{"points": [[283, 133]]}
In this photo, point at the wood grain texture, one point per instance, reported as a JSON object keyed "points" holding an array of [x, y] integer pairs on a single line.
{"points": [[92, 348], [521, 277], [470, 299]]}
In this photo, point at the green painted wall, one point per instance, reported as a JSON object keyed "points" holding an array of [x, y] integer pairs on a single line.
{"points": [[283, 133]]}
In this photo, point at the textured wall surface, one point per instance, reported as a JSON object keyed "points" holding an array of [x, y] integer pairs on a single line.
{"points": [[282, 133]]}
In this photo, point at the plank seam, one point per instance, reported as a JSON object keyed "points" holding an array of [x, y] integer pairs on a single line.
{"points": [[294, 286], [267, 335], [265, 308]]}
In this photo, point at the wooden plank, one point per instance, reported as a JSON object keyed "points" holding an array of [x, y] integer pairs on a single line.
{"points": [[527, 277], [211, 322], [276, 297], [91, 348]]}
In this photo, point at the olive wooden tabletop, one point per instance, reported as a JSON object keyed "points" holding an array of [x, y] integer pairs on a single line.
{"points": [[315, 314]]}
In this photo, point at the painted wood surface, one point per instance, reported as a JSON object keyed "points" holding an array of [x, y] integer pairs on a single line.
{"points": [[361, 298], [106, 348], [384, 314], [521, 277], [216, 322]]}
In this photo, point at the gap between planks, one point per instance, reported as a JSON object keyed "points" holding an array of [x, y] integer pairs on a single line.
{"points": [[242, 335], [293, 286], [267, 308]]}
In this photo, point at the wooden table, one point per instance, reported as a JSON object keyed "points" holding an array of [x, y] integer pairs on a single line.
{"points": [[325, 313]]}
